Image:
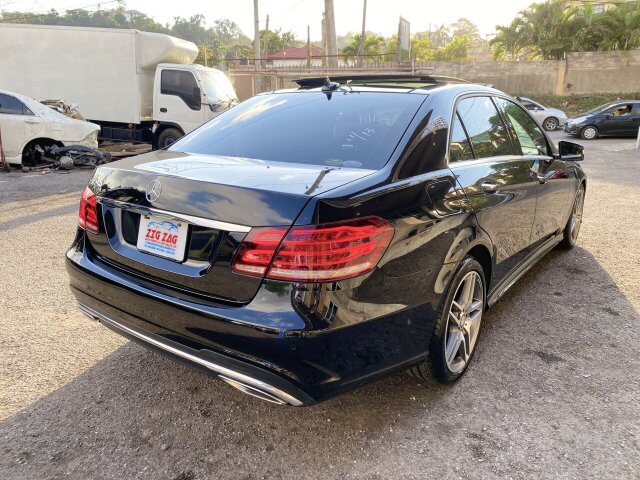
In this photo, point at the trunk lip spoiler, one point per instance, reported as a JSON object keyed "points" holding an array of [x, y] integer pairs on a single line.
{"points": [[200, 221]]}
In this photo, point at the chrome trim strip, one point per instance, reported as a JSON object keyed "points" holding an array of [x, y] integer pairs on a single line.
{"points": [[203, 222], [241, 378], [520, 271]]}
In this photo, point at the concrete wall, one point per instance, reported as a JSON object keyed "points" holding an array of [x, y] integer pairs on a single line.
{"points": [[603, 72], [580, 73]]}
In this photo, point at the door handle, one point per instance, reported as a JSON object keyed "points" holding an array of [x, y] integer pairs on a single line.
{"points": [[490, 187], [163, 110], [32, 122]]}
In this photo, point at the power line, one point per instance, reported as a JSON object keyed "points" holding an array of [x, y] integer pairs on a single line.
{"points": [[27, 15]]}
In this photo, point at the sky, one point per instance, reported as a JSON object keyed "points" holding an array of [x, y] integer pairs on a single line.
{"points": [[295, 15]]}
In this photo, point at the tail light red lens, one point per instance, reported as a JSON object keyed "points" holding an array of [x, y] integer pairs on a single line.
{"points": [[88, 212], [314, 253]]}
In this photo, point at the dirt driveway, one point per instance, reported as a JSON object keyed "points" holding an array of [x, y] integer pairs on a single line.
{"points": [[554, 391]]}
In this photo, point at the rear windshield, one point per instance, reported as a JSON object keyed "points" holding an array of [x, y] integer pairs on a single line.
{"points": [[353, 129]]}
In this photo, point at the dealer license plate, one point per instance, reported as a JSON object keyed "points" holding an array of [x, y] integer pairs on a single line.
{"points": [[163, 237]]}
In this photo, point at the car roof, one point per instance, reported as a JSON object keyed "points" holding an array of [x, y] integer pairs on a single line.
{"points": [[19, 96], [424, 84]]}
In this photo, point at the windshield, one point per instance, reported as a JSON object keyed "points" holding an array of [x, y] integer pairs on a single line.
{"points": [[601, 108], [217, 86], [343, 129]]}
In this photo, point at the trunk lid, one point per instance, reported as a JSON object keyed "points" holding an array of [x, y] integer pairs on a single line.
{"points": [[218, 199]]}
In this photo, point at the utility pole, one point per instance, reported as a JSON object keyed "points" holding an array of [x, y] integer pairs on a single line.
{"points": [[256, 34], [323, 30], [330, 22], [363, 35], [266, 38], [309, 47]]}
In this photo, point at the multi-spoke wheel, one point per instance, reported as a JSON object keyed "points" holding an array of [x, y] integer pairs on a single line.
{"points": [[574, 223], [550, 124], [463, 323], [457, 326], [589, 133]]}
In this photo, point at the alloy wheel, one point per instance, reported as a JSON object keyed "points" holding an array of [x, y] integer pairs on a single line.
{"points": [[589, 133], [463, 322], [576, 215], [550, 124]]}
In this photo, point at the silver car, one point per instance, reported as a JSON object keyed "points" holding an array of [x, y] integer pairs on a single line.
{"points": [[549, 118]]}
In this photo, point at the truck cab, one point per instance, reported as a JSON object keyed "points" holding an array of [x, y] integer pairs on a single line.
{"points": [[185, 97]]}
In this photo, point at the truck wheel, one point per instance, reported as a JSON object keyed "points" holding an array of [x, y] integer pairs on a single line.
{"points": [[168, 136]]}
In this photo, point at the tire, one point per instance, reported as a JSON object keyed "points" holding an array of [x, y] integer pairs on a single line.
{"points": [[572, 229], [168, 136], [589, 133], [447, 331], [550, 124]]}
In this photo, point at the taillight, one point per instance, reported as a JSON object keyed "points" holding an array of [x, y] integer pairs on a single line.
{"points": [[314, 253], [88, 213]]}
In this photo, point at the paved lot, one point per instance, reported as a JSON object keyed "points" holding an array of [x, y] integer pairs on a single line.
{"points": [[553, 393]]}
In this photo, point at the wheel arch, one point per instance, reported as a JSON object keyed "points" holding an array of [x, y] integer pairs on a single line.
{"points": [[39, 141], [482, 255]]}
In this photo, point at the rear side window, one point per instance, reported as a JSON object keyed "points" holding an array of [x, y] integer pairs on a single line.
{"points": [[525, 129], [12, 106], [343, 129], [460, 146], [484, 126], [181, 84]]}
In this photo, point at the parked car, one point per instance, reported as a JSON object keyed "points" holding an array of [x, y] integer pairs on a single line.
{"points": [[310, 241], [549, 118], [26, 124], [621, 118]]}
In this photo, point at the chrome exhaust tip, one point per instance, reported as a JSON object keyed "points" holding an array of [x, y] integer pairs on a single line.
{"points": [[253, 391]]}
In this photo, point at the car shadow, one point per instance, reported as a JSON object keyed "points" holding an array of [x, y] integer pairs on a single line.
{"points": [[546, 380]]}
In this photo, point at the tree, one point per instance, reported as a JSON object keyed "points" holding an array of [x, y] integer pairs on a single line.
{"points": [[277, 40], [463, 27], [374, 46], [552, 29]]}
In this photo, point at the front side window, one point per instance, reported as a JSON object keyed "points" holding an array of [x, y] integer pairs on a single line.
{"points": [[525, 129], [484, 127], [460, 146], [621, 110], [181, 84], [351, 130], [12, 106]]}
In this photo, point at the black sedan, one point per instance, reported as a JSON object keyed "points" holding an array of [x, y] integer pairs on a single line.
{"points": [[309, 241], [621, 118]]}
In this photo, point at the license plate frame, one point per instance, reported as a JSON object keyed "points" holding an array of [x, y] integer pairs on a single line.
{"points": [[163, 237]]}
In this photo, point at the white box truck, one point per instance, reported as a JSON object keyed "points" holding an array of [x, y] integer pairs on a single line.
{"points": [[138, 86]]}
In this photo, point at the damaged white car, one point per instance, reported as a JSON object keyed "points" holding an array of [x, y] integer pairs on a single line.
{"points": [[27, 127]]}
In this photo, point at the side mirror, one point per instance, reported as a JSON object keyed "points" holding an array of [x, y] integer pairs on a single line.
{"points": [[570, 151], [197, 96]]}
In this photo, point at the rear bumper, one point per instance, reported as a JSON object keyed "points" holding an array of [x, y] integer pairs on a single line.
{"points": [[256, 382], [277, 347]]}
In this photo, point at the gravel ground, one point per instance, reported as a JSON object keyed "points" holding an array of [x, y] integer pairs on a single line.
{"points": [[553, 392]]}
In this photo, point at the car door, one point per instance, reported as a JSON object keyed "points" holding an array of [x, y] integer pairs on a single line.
{"points": [[552, 200], [18, 125], [617, 120], [180, 99], [499, 183], [635, 120]]}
